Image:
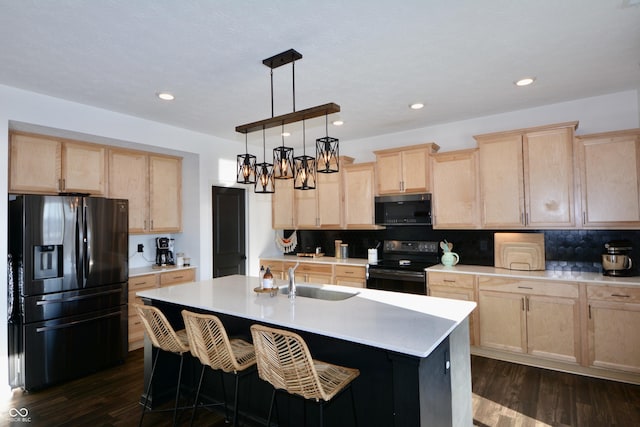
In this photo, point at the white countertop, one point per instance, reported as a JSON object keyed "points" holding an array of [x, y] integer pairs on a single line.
{"points": [[141, 271], [404, 323], [317, 260], [568, 276]]}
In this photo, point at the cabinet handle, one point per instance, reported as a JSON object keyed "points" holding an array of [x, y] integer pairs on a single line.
{"points": [[522, 301], [61, 183], [526, 218], [522, 218], [151, 222], [584, 217], [621, 295], [449, 281], [589, 311], [527, 299], [525, 287]]}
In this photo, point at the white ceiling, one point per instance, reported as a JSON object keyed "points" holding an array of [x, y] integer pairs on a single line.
{"points": [[372, 57]]}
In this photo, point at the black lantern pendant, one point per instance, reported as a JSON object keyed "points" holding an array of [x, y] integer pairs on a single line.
{"points": [[246, 166], [283, 160], [305, 168], [327, 152], [264, 171]]}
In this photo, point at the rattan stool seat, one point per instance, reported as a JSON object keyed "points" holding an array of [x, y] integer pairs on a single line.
{"points": [[285, 362], [209, 342], [164, 337]]}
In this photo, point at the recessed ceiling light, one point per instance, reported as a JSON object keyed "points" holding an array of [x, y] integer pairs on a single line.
{"points": [[166, 96], [416, 106], [337, 122], [286, 134], [525, 81]]}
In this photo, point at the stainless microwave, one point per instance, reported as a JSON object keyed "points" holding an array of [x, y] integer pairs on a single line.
{"points": [[406, 209]]}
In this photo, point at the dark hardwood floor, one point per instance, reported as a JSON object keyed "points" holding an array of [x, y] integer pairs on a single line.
{"points": [[505, 394]]}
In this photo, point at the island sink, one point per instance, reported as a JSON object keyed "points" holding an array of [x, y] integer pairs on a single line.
{"points": [[318, 293]]}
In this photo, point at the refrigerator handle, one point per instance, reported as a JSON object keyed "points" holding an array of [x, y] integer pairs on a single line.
{"points": [[85, 249], [79, 254]]}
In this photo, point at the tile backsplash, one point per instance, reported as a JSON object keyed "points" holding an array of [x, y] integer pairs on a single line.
{"points": [[567, 250]]}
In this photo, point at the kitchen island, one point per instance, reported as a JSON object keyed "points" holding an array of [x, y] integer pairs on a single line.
{"points": [[412, 351]]}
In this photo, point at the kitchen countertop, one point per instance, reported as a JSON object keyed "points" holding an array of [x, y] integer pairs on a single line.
{"points": [[141, 271], [404, 323], [568, 276], [362, 262]]}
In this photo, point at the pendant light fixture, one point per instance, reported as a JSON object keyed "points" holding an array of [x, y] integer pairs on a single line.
{"points": [[327, 151], [246, 166], [283, 160], [264, 171], [304, 168]]}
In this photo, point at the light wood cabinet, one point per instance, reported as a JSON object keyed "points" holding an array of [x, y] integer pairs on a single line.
{"points": [[283, 205], [404, 169], [613, 324], [310, 272], [609, 169], [322, 207], [276, 267], [540, 318], [47, 165], [153, 186], [146, 282], [359, 193], [129, 179], [165, 194], [455, 189], [136, 329], [349, 275], [456, 286], [526, 177]]}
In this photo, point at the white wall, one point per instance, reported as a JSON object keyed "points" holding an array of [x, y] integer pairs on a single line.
{"points": [[210, 161]]}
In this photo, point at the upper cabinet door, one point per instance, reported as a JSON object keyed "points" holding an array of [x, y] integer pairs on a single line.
{"points": [[359, 190], [129, 179], [526, 177], [455, 189], [282, 205], [609, 169], [34, 164], [404, 169], [501, 181], [549, 183], [165, 193], [84, 168]]}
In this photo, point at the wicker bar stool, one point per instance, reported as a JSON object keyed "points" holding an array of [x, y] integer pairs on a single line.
{"points": [[163, 337], [285, 362], [210, 343]]}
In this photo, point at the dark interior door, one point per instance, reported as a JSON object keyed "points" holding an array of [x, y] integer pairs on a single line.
{"points": [[229, 252]]}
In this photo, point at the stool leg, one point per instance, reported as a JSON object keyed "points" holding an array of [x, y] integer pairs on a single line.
{"points": [[273, 399], [175, 409], [146, 396], [235, 400], [353, 407], [224, 396], [321, 413], [195, 403]]}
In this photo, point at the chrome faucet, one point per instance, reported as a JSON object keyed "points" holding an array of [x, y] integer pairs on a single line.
{"points": [[292, 281]]}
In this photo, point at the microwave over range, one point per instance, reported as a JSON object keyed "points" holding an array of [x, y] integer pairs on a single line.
{"points": [[406, 209]]}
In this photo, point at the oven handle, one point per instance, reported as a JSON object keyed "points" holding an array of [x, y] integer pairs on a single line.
{"points": [[413, 276]]}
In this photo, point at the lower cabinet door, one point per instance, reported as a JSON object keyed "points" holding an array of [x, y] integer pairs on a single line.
{"points": [[502, 321], [553, 327], [614, 340]]}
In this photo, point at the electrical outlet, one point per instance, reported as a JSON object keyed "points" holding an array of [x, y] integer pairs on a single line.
{"points": [[140, 247]]}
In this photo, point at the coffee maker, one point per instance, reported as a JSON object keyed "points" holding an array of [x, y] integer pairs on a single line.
{"points": [[616, 261], [164, 251]]}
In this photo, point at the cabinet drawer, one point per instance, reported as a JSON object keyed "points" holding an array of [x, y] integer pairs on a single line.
{"points": [[350, 271], [614, 293], [180, 276], [450, 279], [273, 265], [310, 268], [530, 287], [139, 283]]}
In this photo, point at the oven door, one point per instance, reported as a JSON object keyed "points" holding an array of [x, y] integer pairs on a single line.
{"points": [[411, 282]]}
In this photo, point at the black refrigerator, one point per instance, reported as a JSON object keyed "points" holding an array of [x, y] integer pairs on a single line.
{"points": [[67, 302]]}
